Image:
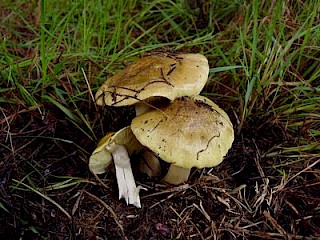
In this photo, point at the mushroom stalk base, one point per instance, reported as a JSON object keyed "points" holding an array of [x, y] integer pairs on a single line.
{"points": [[141, 108], [126, 183], [149, 163], [177, 175]]}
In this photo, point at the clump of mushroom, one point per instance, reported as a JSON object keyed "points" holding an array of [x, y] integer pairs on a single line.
{"points": [[174, 131], [151, 78]]}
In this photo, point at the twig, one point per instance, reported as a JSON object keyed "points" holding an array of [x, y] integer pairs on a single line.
{"points": [[275, 224], [115, 218], [263, 235], [8, 132], [203, 211], [303, 170], [89, 88], [285, 182]]}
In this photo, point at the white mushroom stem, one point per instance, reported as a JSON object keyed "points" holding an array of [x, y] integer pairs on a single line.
{"points": [[126, 184], [141, 108], [149, 163], [177, 175]]}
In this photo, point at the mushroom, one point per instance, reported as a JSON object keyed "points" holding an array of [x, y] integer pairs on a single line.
{"points": [[189, 132], [101, 158], [143, 82], [118, 146], [161, 75]]}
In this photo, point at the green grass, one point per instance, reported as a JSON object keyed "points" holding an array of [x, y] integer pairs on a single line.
{"points": [[264, 70]]}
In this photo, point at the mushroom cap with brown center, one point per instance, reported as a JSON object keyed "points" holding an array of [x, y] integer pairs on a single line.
{"points": [[189, 132], [161, 75], [101, 158]]}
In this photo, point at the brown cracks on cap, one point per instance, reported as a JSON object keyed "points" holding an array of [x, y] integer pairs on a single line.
{"points": [[202, 150], [158, 124], [210, 108], [219, 123], [172, 68], [164, 78], [114, 94], [102, 95], [206, 106]]}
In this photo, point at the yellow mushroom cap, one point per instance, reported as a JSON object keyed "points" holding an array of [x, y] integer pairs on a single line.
{"points": [[161, 75], [101, 157], [189, 132]]}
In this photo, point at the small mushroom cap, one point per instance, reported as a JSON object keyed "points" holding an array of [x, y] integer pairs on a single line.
{"points": [[189, 132], [101, 157], [161, 75]]}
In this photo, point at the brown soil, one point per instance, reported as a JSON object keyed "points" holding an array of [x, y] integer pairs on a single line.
{"points": [[243, 198]]}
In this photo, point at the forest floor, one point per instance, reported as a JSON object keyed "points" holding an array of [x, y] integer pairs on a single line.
{"points": [[264, 59]]}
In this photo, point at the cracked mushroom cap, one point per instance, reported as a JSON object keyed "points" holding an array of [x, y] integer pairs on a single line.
{"points": [[101, 158], [190, 132], [161, 75]]}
